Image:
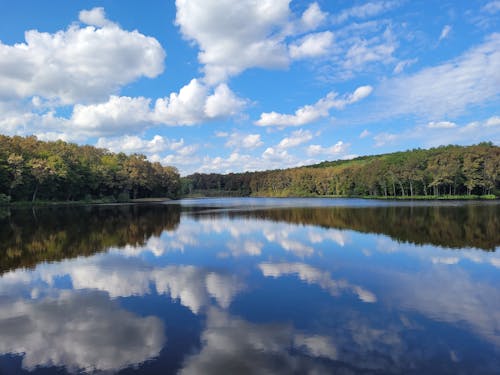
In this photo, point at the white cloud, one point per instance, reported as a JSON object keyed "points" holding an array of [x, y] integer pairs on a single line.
{"points": [[493, 121], [444, 132], [365, 133], [402, 65], [119, 114], [235, 162], [383, 139], [313, 17], [271, 158], [78, 64], [491, 7], [194, 104], [246, 141], [276, 155], [367, 10], [133, 144], [445, 32], [235, 35], [334, 150], [94, 17], [448, 89], [297, 138], [441, 125], [366, 51], [312, 45], [312, 113], [223, 103]]}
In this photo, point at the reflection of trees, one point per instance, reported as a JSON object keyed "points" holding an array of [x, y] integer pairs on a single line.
{"points": [[449, 226], [51, 234]]}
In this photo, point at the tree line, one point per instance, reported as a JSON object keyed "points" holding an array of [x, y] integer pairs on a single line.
{"points": [[446, 170], [31, 169]]}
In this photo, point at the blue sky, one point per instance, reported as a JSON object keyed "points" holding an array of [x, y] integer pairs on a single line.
{"points": [[230, 86]]}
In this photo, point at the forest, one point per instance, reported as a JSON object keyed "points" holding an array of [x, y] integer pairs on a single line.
{"points": [[31, 170], [433, 173]]}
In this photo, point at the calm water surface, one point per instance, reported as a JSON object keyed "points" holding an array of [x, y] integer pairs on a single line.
{"points": [[252, 286]]}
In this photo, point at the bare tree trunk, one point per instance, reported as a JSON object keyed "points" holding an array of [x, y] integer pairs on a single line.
{"points": [[403, 192]]}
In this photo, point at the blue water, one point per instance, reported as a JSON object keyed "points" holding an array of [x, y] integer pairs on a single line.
{"points": [[255, 286]]}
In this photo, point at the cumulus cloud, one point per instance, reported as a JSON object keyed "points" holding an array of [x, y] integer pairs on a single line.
{"points": [[448, 89], [493, 121], [58, 332], [313, 17], [338, 148], [245, 141], [235, 35], [312, 45], [78, 64], [271, 158], [363, 51], [312, 113], [94, 17], [297, 138], [119, 114], [195, 103], [130, 144]]}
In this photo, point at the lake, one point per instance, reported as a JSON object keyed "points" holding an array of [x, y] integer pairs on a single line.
{"points": [[251, 286]]}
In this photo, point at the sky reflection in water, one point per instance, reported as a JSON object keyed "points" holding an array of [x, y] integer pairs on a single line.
{"points": [[217, 288]]}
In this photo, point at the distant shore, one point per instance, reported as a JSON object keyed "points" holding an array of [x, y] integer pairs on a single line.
{"points": [[42, 203], [389, 198]]}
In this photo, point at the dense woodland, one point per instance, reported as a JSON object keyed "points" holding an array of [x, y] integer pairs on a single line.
{"points": [[31, 169], [446, 170]]}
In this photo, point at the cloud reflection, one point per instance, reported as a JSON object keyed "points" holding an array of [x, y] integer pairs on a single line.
{"points": [[312, 275], [194, 287], [233, 345], [81, 331]]}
